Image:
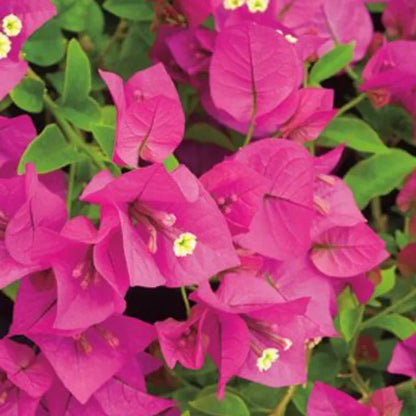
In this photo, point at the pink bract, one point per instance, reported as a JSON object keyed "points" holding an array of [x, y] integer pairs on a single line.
{"points": [[150, 119]]}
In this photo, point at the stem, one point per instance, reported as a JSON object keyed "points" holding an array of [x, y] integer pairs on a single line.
{"points": [[281, 407], [378, 216], [390, 309], [351, 73], [71, 181], [355, 376], [351, 104], [71, 135], [186, 301], [357, 379]]}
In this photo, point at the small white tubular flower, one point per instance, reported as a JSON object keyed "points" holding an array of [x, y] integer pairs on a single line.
{"points": [[5, 46], [233, 4], [257, 5], [268, 357], [12, 25], [184, 245]]}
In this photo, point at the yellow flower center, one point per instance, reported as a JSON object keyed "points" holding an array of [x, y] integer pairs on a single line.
{"points": [[12, 25], [233, 4], [257, 5], [5, 46], [184, 245], [268, 357]]}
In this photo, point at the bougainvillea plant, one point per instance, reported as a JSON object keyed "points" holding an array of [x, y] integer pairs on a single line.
{"points": [[207, 207]]}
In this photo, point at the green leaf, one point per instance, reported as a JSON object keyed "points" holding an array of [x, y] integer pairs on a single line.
{"points": [[73, 14], [49, 151], [83, 115], [130, 9], [397, 324], [357, 135], [77, 84], [104, 135], [230, 405], [379, 175], [388, 280], [402, 239], [301, 397], [132, 54], [104, 130], [259, 396], [331, 63], [392, 122], [350, 314], [205, 133], [325, 360], [28, 95], [46, 46], [95, 19], [11, 290]]}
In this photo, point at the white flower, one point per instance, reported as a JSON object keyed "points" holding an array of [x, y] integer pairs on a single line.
{"points": [[184, 245], [233, 4], [257, 5], [12, 25], [5, 46], [268, 357]]}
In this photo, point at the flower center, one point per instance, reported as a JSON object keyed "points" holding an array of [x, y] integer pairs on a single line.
{"points": [[5, 46], [12, 25], [184, 245], [266, 333], [268, 357], [188, 338], [155, 221], [233, 4], [225, 203], [257, 5], [86, 271]]}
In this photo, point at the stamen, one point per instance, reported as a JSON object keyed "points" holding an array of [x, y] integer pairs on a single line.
{"points": [[5, 46], [83, 342], [268, 330], [184, 245], [233, 4], [321, 205], [12, 25], [109, 337], [225, 202], [329, 180], [86, 270]]}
